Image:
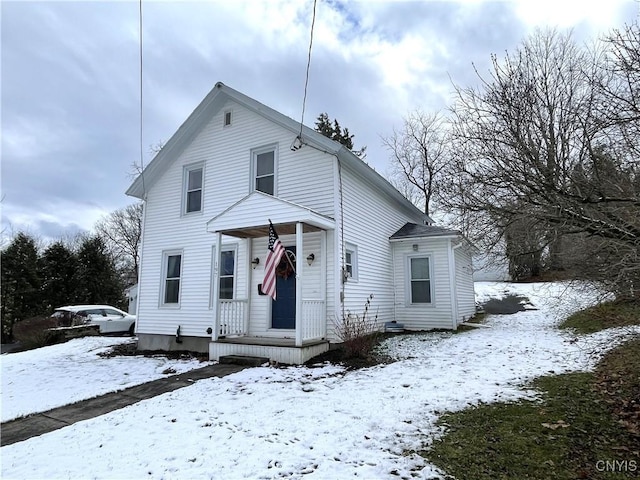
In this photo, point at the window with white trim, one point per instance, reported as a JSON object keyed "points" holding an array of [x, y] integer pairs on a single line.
{"points": [[420, 279], [172, 273], [193, 180], [227, 274], [264, 170], [227, 118], [351, 262]]}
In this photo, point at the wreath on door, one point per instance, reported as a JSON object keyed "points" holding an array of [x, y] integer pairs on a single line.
{"points": [[284, 268]]}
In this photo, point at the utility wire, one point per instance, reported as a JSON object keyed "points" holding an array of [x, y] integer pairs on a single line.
{"points": [[144, 191], [306, 80]]}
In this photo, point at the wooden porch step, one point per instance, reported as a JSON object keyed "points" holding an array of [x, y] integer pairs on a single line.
{"points": [[243, 360]]}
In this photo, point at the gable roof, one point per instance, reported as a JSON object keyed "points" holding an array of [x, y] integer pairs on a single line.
{"points": [[413, 230], [212, 104], [246, 218]]}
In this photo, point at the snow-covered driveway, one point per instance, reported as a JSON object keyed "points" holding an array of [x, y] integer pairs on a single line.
{"points": [[318, 422]]}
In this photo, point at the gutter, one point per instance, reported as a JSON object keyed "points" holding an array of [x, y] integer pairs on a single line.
{"points": [[452, 282]]}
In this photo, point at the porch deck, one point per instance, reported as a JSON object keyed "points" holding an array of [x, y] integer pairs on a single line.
{"points": [[281, 350]]}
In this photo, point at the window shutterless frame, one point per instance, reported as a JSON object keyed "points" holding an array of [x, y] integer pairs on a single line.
{"points": [[171, 278], [351, 261], [193, 189], [264, 169], [227, 118], [228, 272], [419, 279]]}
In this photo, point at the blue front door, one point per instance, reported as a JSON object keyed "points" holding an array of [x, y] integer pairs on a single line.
{"points": [[283, 308]]}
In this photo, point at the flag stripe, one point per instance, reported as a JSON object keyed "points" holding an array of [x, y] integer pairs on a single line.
{"points": [[274, 255]]}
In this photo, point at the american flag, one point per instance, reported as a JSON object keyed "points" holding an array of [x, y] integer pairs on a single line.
{"points": [[276, 250]]}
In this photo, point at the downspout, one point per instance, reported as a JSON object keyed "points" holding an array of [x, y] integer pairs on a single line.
{"points": [[341, 269], [141, 255], [453, 283], [393, 280]]}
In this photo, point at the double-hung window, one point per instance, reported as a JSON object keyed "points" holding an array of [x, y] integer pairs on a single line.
{"points": [[193, 179], [264, 169], [351, 262], [420, 279], [172, 274]]}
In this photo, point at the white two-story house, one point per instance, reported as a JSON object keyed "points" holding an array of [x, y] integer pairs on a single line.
{"points": [[209, 194]]}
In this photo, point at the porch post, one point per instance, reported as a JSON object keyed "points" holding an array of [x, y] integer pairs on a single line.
{"points": [[216, 287], [299, 269], [249, 270]]}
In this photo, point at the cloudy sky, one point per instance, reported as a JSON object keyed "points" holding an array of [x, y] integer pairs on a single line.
{"points": [[70, 79]]}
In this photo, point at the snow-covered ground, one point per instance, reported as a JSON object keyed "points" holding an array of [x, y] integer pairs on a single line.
{"points": [[320, 422], [45, 378]]}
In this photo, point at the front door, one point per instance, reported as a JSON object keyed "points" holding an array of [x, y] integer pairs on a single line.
{"points": [[283, 308]]}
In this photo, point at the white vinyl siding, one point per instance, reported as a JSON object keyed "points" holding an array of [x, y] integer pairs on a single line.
{"points": [[370, 218], [464, 284], [423, 316], [218, 148]]}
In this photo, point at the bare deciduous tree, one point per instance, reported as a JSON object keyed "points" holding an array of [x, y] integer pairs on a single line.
{"points": [[537, 154], [121, 230], [418, 156]]}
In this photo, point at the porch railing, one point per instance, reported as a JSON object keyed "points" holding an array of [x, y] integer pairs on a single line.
{"points": [[314, 323], [233, 318]]}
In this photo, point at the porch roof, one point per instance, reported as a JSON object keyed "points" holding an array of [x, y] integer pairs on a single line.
{"points": [[249, 217], [413, 230]]}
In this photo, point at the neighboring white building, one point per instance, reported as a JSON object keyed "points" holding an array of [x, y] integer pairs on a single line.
{"points": [[233, 166], [132, 297]]}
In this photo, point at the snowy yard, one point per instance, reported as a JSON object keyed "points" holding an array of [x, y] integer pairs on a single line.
{"points": [[319, 422]]}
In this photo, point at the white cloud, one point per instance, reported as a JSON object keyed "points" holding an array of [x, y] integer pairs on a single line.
{"points": [[70, 77], [567, 13]]}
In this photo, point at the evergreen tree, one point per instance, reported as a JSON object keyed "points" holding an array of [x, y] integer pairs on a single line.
{"points": [[334, 131], [58, 271], [98, 279], [20, 283]]}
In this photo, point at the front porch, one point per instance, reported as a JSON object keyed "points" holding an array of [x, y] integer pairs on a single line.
{"points": [[281, 350], [292, 328]]}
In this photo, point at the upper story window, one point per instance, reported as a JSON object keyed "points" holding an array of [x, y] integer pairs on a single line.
{"points": [[193, 179], [227, 118], [264, 170], [172, 269], [420, 279]]}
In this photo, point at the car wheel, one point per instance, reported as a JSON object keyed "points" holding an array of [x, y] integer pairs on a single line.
{"points": [[132, 329]]}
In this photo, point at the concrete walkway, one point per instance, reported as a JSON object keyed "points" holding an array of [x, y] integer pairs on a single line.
{"points": [[44, 422]]}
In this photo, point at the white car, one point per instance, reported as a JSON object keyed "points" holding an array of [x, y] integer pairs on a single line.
{"points": [[109, 319]]}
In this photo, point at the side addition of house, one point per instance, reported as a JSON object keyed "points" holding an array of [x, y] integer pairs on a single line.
{"points": [[234, 166]]}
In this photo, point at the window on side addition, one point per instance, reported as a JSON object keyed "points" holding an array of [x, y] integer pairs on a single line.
{"points": [[420, 271]]}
